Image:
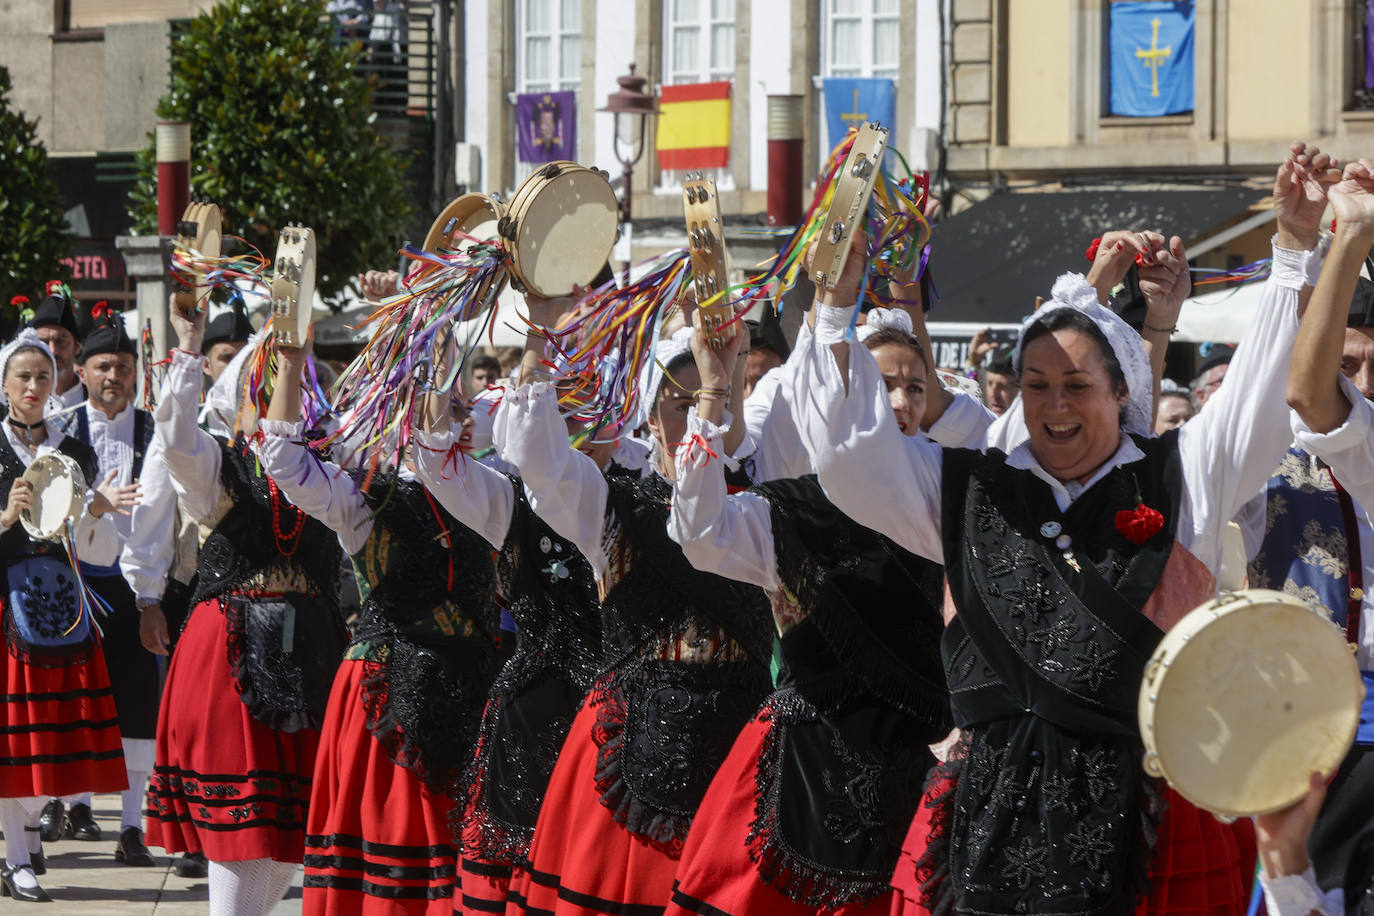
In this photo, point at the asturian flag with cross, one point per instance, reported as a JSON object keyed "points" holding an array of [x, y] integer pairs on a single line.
{"points": [[1152, 57]]}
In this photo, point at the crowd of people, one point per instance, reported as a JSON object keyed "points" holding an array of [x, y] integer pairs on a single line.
{"points": [[820, 634]]}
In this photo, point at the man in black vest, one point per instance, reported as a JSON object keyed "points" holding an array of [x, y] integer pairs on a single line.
{"points": [[120, 434]]}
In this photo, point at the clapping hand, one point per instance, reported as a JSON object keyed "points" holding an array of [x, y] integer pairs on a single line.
{"points": [[1300, 192]]}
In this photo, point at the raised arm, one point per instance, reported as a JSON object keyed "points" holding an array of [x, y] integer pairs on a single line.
{"points": [[192, 454], [1234, 443], [873, 473], [318, 488]]}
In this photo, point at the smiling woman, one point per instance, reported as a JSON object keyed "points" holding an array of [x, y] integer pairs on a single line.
{"points": [[1067, 555]]}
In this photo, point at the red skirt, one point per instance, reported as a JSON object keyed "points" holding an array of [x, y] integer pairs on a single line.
{"points": [[716, 877], [223, 783], [581, 861], [378, 842], [1200, 865], [61, 732]]}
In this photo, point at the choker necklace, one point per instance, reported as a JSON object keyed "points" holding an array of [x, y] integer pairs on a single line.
{"points": [[17, 425]]}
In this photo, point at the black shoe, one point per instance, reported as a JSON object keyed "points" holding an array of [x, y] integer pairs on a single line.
{"points": [[80, 824], [50, 821], [190, 865], [26, 894], [130, 849]]}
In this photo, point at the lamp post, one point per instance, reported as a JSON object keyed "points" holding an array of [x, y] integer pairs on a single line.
{"points": [[631, 106]]}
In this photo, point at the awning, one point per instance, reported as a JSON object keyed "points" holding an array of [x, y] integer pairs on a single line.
{"points": [[991, 260]]}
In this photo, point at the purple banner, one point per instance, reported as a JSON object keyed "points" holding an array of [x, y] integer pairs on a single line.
{"points": [[547, 122], [1369, 46]]}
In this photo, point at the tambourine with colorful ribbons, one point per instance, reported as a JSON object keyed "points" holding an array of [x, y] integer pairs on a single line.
{"points": [[293, 285]]}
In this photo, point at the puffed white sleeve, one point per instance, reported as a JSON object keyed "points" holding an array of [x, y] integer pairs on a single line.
{"points": [[480, 497], [874, 474], [730, 535], [193, 456], [1347, 448], [1299, 895], [565, 487], [964, 424], [151, 546], [96, 540], [1232, 446], [778, 450], [318, 488]]}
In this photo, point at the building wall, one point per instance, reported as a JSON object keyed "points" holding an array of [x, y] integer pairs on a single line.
{"points": [[1040, 55]]}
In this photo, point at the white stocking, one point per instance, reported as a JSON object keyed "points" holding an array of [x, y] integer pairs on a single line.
{"points": [[12, 819], [248, 888], [138, 764]]}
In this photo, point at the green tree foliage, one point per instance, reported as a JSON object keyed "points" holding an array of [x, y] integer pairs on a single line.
{"points": [[31, 223], [281, 132]]}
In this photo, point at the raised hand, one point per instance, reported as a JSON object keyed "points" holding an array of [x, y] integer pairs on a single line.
{"points": [[1352, 198], [376, 285], [110, 497], [1282, 835], [1164, 283], [1300, 190], [187, 321], [716, 365], [1116, 252]]}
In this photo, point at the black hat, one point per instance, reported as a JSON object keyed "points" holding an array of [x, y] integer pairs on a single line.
{"points": [[1221, 356], [230, 326], [1361, 306], [58, 308], [107, 334], [998, 360], [767, 333]]}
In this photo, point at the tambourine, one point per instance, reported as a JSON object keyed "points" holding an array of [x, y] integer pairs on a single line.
{"points": [[59, 494], [199, 231], [1246, 696], [853, 188], [706, 245], [293, 285], [472, 215], [560, 227]]}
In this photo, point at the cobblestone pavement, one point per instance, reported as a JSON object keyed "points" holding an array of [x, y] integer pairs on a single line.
{"points": [[83, 878]]}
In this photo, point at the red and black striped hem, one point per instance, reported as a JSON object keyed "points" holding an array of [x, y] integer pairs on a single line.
{"points": [[342, 863], [586, 901]]}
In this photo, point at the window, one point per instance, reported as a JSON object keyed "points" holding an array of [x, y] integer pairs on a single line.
{"points": [[698, 47], [1360, 85], [548, 49], [860, 38]]}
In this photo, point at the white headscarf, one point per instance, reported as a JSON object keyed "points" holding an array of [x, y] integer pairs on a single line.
{"points": [[222, 401], [880, 319], [651, 376], [1072, 291], [27, 337]]}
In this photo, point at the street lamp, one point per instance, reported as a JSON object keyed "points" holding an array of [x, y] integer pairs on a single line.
{"points": [[632, 107]]}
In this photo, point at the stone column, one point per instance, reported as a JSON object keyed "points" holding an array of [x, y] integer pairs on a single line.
{"points": [[145, 260]]}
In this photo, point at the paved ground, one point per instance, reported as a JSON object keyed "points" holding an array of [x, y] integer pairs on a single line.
{"points": [[84, 878]]}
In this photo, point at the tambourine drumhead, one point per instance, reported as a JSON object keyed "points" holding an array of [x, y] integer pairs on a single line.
{"points": [[563, 228], [471, 214], [1244, 698], [293, 285], [59, 491]]}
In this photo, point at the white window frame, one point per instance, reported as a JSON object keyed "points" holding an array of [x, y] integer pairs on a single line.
{"points": [[556, 83], [867, 17], [670, 180]]}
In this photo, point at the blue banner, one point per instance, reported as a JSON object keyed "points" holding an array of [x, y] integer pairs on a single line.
{"points": [[849, 102], [1152, 58]]}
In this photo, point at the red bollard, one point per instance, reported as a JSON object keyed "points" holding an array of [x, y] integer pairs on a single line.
{"points": [[785, 160]]}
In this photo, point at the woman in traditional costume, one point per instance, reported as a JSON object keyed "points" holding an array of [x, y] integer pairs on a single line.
{"points": [[685, 656], [60, 732], [809, 811], [245, 695], [548, 588], [403, 714], [1067, 558]]}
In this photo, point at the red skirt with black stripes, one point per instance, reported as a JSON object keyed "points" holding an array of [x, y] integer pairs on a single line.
{"points": [[223, 783], [378, 841], [60, 733]]}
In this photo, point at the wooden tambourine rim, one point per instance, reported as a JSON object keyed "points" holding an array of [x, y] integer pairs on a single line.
{"points": [[40, 480], [516, 223], [850, 202], [707, 213], [462, 208], [208, 241], [302, 291], [1180, 641]]}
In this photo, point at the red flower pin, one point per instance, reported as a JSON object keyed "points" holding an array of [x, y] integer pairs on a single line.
{"points": [[1140, 524], [19, 301]]}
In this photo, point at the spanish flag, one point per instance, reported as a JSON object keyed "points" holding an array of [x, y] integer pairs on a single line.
{"points": [[694, 126]]}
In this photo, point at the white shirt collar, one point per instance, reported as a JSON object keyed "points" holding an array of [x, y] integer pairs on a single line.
{"points": [[1065, 493], [98, 417]]}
